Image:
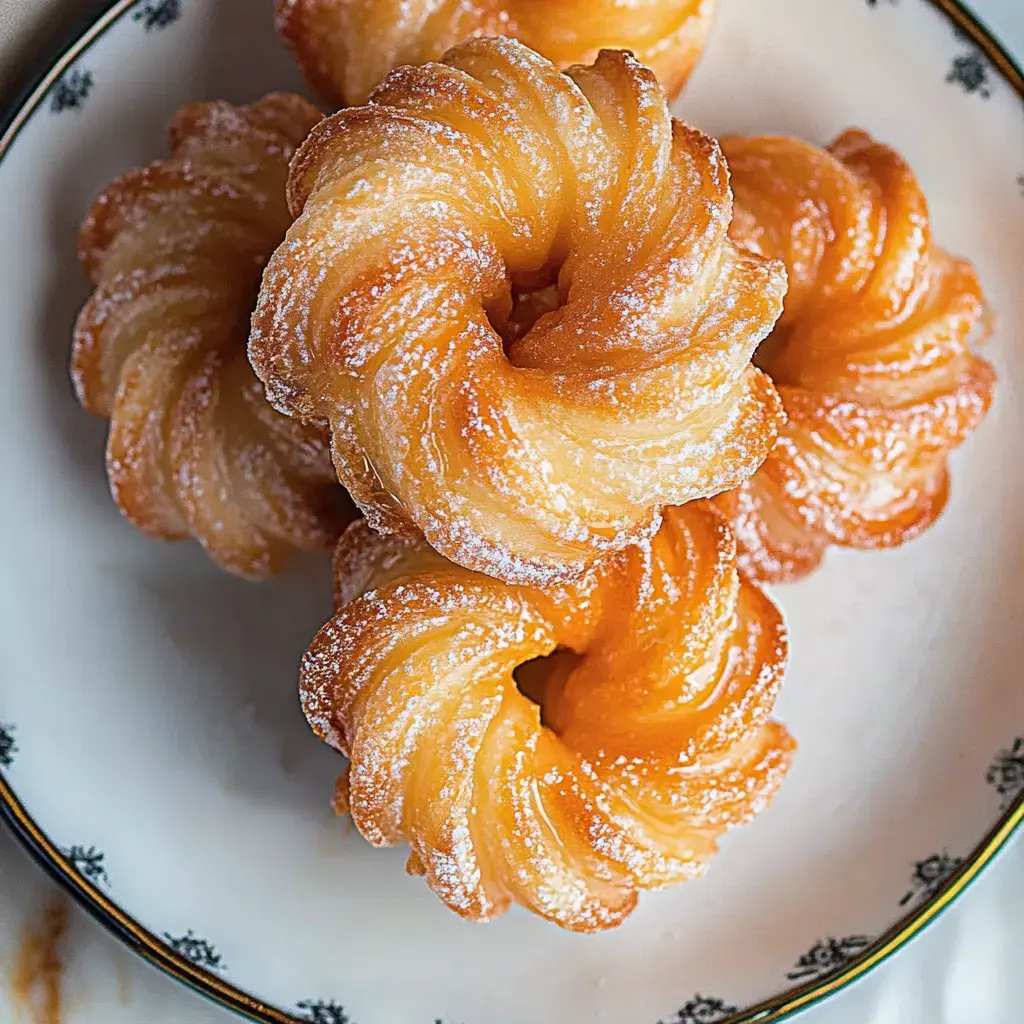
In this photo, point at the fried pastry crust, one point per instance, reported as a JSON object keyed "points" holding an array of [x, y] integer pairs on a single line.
{"points": [[872, 355], [345, 47], [176, 250], [511, 293], [648, 735]]}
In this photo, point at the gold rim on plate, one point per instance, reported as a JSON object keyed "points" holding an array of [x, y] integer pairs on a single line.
{"points": [[159, 953]]}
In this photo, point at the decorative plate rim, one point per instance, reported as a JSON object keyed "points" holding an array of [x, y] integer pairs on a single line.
{"points": [[159, 952]]}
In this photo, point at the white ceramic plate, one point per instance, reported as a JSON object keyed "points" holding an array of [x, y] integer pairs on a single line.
{"points": [[152, 750]]}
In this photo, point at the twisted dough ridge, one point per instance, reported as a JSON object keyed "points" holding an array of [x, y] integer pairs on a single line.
{"points": [[872, 355], [176, 251], [345, 47], [434, 225], [655, 737]]}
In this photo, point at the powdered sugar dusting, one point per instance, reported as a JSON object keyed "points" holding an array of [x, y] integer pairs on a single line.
{"points": [[382, 312], [655, 736], [176, 250], [874, 354]]}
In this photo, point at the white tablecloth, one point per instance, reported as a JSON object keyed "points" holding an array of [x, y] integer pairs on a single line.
{"points": [[967, 969]]}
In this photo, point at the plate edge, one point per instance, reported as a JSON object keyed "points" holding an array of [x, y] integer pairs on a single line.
{"points": [[150, 947]]}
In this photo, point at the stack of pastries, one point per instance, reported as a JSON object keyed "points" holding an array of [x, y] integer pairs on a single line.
{"points": [[588, 377]]}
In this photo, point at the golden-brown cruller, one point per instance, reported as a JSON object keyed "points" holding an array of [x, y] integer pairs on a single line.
{"points": [[645, 737], [346, 47], [176, 250], [511, 293], [873, 355]]}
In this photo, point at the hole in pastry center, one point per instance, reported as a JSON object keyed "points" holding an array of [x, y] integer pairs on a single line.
{"points": [[535, 677], [532, 295], [766, 353]]}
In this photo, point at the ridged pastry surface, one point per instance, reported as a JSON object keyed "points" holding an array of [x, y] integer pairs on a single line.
{"points": [[873, 355], [176, 250], [511, 293], [647, 736], [346, 47]]}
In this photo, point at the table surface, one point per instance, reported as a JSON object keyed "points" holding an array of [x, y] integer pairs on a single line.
{"points": [[966, 969]]}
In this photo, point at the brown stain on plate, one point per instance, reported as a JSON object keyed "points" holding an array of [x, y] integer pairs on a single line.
{"points": [[37, 975], [123, 972]]}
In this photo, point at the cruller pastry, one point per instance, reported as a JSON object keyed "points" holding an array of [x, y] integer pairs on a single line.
{"points": [[346, 47], [872, 355], [647, 735], [467, 199], [176, 250]]}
